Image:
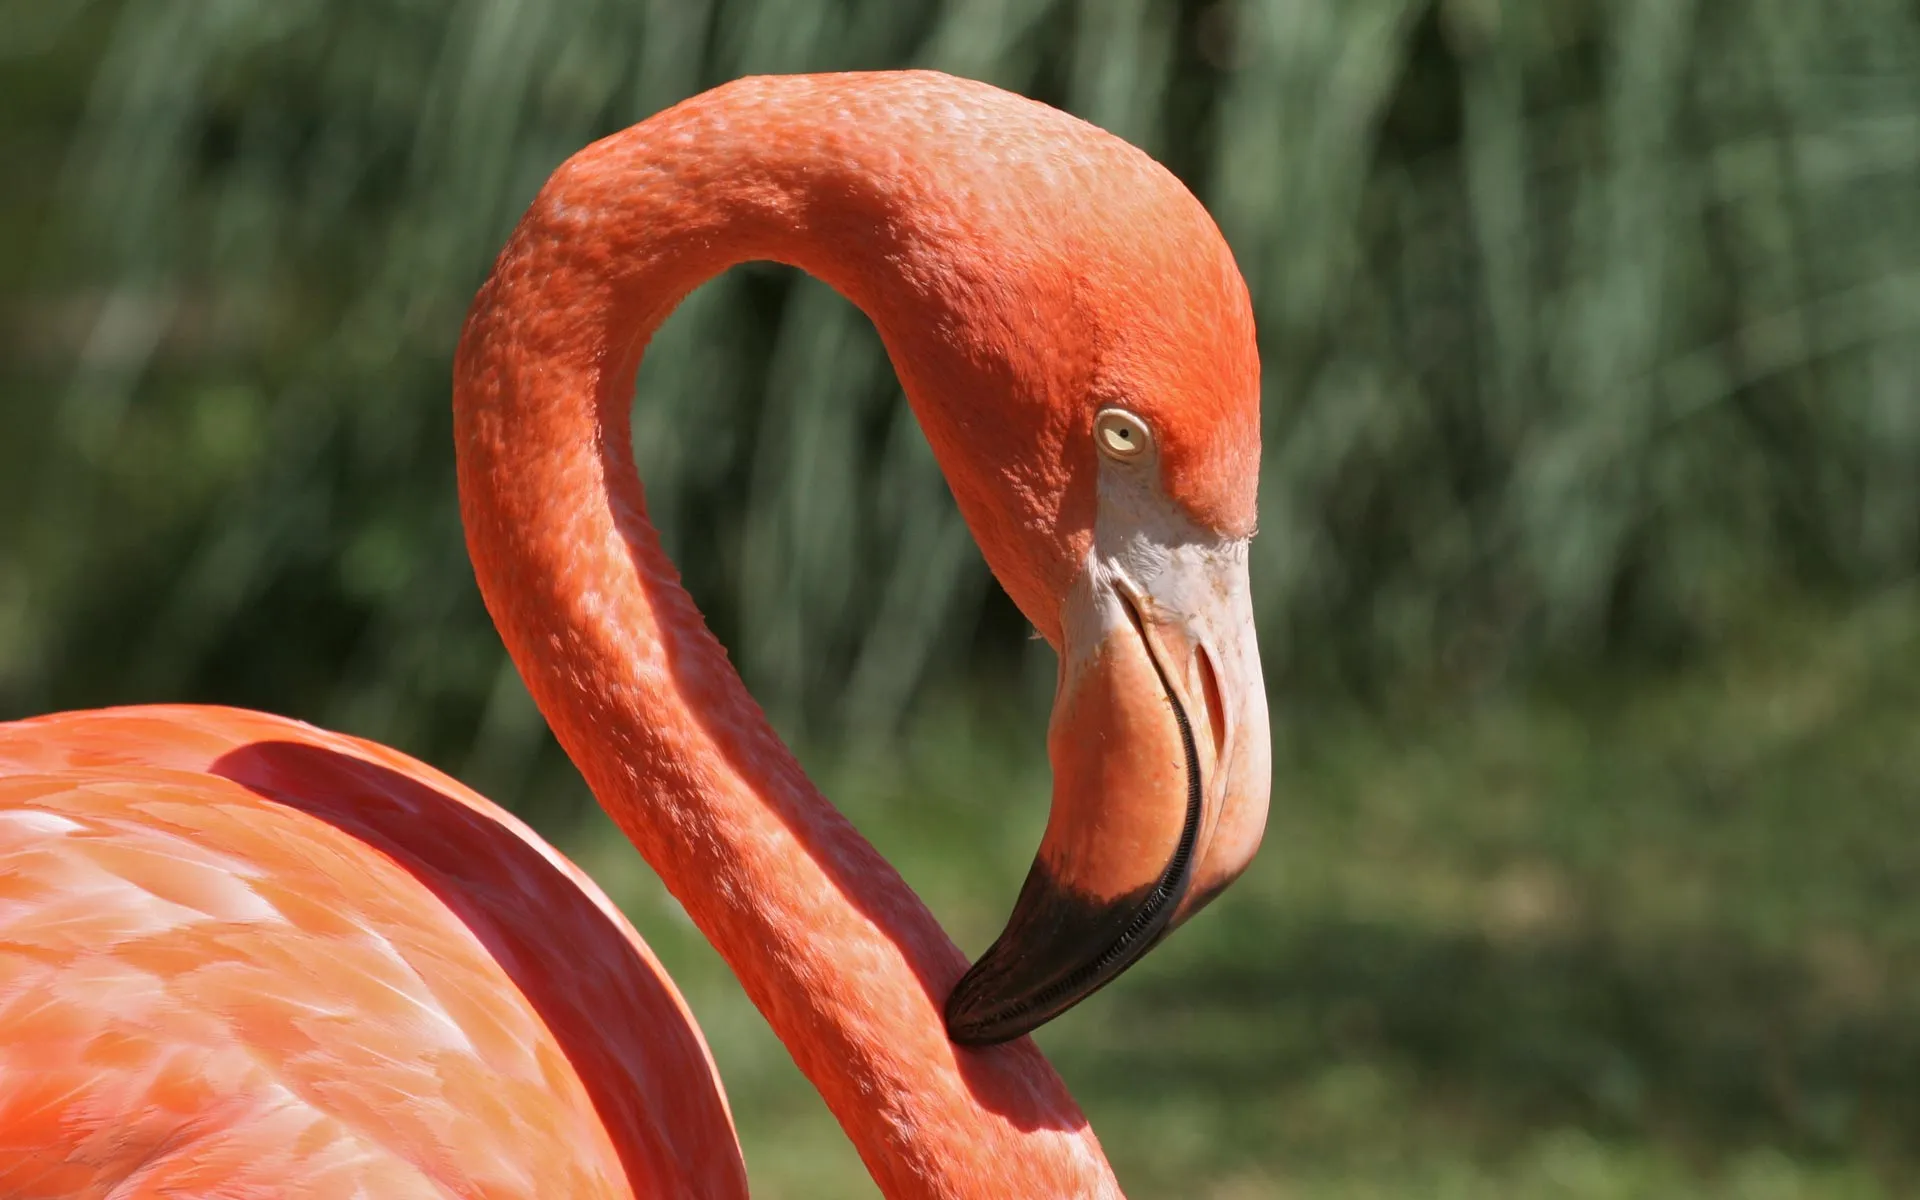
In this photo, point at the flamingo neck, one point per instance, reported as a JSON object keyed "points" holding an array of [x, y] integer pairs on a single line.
{"points": [[843, 959]]}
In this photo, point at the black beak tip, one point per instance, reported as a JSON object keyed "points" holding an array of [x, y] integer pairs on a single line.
{"points": [[1058, 949], [971, 1019]]}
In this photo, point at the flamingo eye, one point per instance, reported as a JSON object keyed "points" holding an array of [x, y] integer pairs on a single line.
{"points": [[1121, 435]]}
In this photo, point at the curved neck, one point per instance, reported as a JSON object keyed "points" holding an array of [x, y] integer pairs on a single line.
{"points": [[838, 953]]}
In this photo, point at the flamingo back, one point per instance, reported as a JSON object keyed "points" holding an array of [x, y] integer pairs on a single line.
{"points": [[241, 956]]}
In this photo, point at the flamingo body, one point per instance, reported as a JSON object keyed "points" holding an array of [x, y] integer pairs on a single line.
{"points": [[241, 956]]}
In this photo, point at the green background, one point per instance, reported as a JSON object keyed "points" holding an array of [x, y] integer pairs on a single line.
{"points": [[1590, 518]]}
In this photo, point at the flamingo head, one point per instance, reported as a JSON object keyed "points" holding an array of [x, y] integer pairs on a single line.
{"points": [[1092, 391]]}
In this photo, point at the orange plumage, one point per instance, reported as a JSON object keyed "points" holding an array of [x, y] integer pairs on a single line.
{"points": [[240, 956], [238, 952]]}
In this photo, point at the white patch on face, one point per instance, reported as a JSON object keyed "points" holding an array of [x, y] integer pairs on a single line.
{"points": [[1170, 567]]}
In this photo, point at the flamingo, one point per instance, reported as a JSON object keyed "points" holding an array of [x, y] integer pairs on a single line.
{"points": [[242, 957]]}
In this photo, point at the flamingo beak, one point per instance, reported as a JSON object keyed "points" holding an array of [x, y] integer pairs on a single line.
{"points": [[1161, 766]]}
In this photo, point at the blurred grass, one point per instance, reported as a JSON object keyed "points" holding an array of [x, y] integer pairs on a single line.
{"points": [[1655, 939], [1583, 324], [1591, 509]]}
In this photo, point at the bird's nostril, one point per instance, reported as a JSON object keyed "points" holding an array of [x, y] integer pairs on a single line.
{"points": [[1210, 695]]}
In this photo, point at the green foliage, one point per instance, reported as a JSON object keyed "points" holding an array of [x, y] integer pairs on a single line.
{"points": [[1583, 325]]}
